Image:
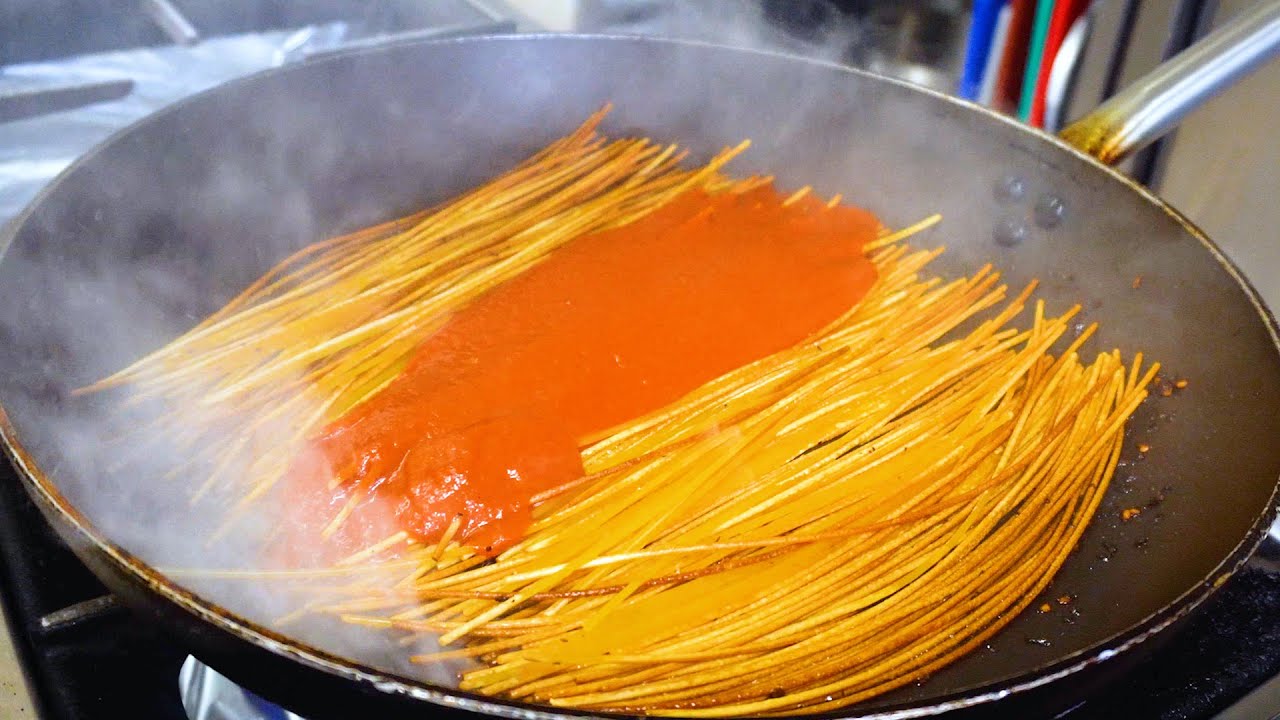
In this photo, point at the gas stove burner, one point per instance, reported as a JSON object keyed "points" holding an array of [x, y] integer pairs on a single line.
{"points": [[209, 695]]}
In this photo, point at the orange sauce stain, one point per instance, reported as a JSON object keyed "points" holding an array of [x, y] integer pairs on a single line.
{"points": [[491, 408]]}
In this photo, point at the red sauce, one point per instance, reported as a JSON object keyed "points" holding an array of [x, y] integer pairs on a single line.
{"points": [[490, 410]]}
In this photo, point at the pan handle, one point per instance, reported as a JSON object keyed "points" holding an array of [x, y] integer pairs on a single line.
{"points": [[1147, 109]]}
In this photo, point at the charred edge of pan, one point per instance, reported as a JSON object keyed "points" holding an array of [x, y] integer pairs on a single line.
{"points": [[50, 500], [1095, 136]]}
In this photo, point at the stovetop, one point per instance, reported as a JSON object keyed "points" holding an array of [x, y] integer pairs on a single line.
{"points": [[87, 658]]}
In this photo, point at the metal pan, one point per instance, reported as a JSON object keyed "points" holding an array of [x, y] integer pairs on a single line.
{"points": [[166, 220]]}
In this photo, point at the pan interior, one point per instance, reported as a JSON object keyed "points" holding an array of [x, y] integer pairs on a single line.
{"points": [[173, 217]]}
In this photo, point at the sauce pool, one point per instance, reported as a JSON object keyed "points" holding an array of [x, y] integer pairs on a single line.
{"points": [[491, 409]]}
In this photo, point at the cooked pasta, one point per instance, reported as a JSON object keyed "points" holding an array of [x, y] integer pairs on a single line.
{"points": [[820, 525]]}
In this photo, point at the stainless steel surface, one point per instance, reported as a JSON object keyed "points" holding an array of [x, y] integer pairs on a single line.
{"points": [[1152, 106], [171, 20]]}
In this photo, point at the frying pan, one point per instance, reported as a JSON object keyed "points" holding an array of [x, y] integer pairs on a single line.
{"points": [[168, 219]]}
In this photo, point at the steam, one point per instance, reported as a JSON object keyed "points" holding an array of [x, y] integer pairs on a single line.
{"points": [[87, 292], [116, 455], [811, 29], [138, 280]]}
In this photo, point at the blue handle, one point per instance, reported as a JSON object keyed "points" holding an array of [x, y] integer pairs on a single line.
{"points": [[981, 31]]}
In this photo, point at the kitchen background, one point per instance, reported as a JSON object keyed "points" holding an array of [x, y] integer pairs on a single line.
{"points": [[72, 71]]}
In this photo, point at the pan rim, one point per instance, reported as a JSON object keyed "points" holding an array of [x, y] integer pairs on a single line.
{"points": [[46, 494]]}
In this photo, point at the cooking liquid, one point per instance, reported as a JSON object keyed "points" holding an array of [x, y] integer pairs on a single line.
{"points": [[492, 409]]}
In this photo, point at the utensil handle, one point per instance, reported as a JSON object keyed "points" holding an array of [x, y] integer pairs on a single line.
{"points": [[1147, 109], [171, 21]]}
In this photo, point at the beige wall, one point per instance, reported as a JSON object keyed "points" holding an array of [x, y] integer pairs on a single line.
{"points": [[1224, 173], [556, 15]]}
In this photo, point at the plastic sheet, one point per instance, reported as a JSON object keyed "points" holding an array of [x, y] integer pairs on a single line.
{"points": [[34, 150]]}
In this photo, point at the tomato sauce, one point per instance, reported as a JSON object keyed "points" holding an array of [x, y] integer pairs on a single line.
{"points": [[491, 409]]}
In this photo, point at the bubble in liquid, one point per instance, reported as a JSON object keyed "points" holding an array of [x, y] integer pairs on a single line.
{"points": [[1009, 232], [1049, 211], [1010, 188]]}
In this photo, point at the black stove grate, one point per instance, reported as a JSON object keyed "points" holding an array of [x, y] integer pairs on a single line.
{"points": [[104, 665]]}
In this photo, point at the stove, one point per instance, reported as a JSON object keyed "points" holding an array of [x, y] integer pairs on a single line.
{"points": [[86, 657]]}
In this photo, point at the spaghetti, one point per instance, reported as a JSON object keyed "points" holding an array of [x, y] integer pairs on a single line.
{"points": [[820, 524]]}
